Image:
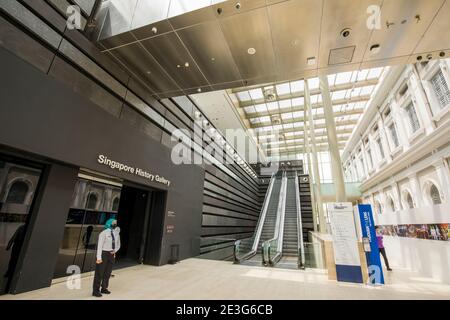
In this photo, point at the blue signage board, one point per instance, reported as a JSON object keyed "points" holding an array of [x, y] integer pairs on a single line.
{"points": [[369, 235]]}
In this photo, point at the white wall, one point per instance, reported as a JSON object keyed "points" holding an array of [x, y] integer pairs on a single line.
{"points": [[425, 215], [429, 258]]}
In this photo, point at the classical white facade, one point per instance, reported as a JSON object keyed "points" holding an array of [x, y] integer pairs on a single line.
{"points": [[400, 150]]}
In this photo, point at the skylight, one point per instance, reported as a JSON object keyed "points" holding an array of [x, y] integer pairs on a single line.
{"points": [[350, 92]]}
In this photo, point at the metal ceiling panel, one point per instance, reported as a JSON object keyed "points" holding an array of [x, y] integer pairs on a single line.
{"points": [[209, 49], [250, 30], [408, 20], [294, 44], [117, 41], [344, 14], [149, 15], [384, 62], [438, 33], [142, 64], [214, 38], [152, 30], [227, 85], [229, 8], [171, 54]]}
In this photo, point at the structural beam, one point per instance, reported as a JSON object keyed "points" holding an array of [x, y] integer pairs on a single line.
{"points": [[315, 161], [336, 163]]}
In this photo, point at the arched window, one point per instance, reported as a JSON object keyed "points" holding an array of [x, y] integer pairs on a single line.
{"points": [[409, 200], [17, 193], [435, 195], [115, 204], [379, 208], [92, 201], [391, 204]]}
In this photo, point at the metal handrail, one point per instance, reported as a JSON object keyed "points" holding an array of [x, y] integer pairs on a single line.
{"points": [[300, 244], [261, 220], [279, 229]]}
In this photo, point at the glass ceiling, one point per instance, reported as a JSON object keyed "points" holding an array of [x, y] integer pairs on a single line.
{"points": [[280, 108]]}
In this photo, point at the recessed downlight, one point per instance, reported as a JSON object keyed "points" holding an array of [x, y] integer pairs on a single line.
{"points": [[346, 32], [251, 51], [186, 64]]}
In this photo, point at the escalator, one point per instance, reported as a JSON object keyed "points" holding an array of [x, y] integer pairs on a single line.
{"points": [[289, 252], [249, 251], [290, 236]]}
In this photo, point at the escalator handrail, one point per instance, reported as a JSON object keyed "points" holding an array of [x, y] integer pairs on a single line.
{"points": [[300, 244], [261, 219], [279, 227]]}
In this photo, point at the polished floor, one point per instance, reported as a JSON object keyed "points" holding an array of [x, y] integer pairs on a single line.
{"points": [[200, 279]]}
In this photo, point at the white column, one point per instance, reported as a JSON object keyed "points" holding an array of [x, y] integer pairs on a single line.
{"points": [[336, 163], [415, 189], [397, 196], [384, 140], [398, 116], [443, 174], [315, 162], [424, 108]]}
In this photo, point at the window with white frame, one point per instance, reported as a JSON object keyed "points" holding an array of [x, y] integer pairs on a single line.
{"points": [[369, 157], [435, 195], [380, 148], [379, 208], [391, 204], [361, 160], [409, 200], [441, 90], [414, 123], [394, 135]]}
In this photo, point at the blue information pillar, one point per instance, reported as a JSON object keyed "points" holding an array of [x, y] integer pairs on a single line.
{"points": [[370, 239]]}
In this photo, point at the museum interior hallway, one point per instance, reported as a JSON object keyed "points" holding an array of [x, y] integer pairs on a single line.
{"points": [[199, 279]]}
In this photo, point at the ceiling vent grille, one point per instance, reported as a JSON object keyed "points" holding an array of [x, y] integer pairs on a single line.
{"points": [[341, 55], [269, 94], [275, 119]]}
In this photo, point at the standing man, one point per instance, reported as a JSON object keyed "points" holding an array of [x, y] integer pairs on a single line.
{"points": [[381, 247], [107, 247]]}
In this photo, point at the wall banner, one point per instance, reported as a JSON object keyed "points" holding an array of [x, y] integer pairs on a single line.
{"points": [[369, 236]]}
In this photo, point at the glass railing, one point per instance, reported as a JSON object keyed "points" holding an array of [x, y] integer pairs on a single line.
{"points": [[243, 248], [271, 253], [314, 256]]}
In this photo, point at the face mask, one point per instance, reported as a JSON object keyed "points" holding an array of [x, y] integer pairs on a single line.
{"points": [[114, 226]]}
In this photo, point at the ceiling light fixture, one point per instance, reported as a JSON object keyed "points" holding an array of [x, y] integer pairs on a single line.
{"points": [[375, 49], [346, 32], [311, 61], [186, 64], [251, 51]]}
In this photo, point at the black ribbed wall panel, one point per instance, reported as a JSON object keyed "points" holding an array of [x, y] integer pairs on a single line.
{"points": [[232, 198]]}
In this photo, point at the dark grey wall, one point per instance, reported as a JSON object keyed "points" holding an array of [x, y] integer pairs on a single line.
{"points": [[34, 32], [45, 229], [53, 121]]}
